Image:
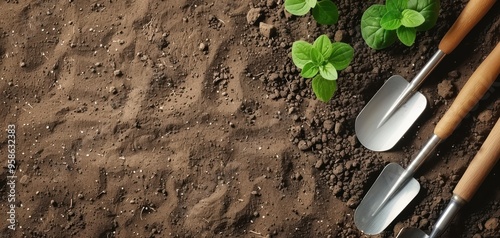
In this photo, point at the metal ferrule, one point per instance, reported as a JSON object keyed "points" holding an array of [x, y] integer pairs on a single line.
{"points": [[447, 216]]}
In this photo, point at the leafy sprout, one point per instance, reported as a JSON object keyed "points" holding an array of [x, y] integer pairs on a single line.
{"points": [[321, 61], [324, 11], [401, 19]]}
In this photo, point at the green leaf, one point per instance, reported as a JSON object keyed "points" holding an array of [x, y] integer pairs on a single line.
{"points": [[301, 53], [309, 70], [374, 35], [407, 35], [342, 55], [396, 5], [412, 18], [391, 20], [326, 12], [324, 89], [311, 3], [429, 10], [324, 46], [297, 7], [328, 71], [316, 57]]}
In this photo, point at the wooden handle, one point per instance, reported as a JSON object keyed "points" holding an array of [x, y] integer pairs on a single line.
{"points": [[481, 165], [478, 83], [470, 16]]}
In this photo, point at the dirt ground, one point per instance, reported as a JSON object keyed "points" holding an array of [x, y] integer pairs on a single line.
{"points": [[182, 118]]}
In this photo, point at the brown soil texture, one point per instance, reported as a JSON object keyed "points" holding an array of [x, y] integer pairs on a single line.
{"points": [[182, 118]]}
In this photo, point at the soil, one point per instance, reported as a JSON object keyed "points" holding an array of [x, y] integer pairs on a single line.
{"points": [[188, 119]]}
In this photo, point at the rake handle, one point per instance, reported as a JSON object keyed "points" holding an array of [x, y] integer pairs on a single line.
{"points": [[477, 85], [470, 16], [480, 166]]}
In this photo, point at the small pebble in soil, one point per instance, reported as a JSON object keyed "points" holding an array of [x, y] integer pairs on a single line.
{"points": [[24, 179], [274, 77], [339, 36], [338, 127], [328, 125], [319, 164], [338, 170], [446, 89], [303, 145], [255, 193], [118, 73], [203, 47], [353, 202], [492, 224], [254, 15], [113, 90], [267, 30], [352, 140]]}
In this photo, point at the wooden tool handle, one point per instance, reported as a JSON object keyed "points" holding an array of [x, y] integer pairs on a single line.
{"points": [[478, 83], [470, 16], [481, 165]]}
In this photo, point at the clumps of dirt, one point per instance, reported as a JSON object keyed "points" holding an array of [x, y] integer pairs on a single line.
{"points": [[445, 89], [254, 15]]}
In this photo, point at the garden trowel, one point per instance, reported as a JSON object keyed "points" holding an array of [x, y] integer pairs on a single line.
{"points": [[395, 187], [398, 104], [481, 165]]}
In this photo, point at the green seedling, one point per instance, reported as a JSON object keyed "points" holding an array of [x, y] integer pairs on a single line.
{"points": [[320, 61], [324, 11], [381, 25]]}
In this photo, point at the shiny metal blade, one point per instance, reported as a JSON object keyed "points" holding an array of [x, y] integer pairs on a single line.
{"points": [[370, 217], [382, 137]]}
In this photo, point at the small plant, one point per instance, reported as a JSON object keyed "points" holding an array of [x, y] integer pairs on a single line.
{"points": [[381, 25], [320, 61], [324, 11]]}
